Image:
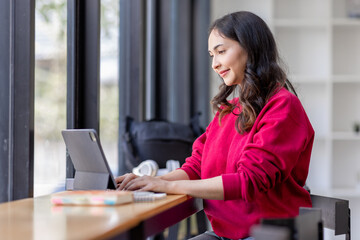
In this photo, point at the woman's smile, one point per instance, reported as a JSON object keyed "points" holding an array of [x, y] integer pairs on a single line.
{"points": [[223, 73]]}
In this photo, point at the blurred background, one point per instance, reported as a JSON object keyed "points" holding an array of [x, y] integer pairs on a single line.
{"points": [[319, 45]]}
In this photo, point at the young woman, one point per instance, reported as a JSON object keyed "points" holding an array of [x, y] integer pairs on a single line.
{"points": [[252, 162]]}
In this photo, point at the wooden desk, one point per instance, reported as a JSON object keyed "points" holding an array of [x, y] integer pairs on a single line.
{"points": [[37, 218]]}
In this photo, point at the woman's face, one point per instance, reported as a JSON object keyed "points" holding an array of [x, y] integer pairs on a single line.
{"points": [[228, 58]]}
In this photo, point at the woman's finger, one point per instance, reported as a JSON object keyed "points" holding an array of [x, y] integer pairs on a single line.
{"points": [[127, 178], [119, 179], [145, 183], [134, 184]]}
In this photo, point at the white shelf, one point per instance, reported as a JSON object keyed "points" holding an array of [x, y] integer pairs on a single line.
{"points": [[341, 22], [337, 192], [322, 51], [346, 50], [301, 23], [308, 79], [345, 192], [295, 9], [346, 78], [305, 50], [347, 136]]}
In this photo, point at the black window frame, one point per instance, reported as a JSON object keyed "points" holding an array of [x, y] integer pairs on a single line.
{"points": [[83, 68], [17, 44]]}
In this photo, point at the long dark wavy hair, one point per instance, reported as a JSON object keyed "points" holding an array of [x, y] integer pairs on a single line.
{"points": [[263, 74]]}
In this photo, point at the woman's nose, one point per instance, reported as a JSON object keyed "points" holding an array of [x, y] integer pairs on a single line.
{"points": [[215, 63]]}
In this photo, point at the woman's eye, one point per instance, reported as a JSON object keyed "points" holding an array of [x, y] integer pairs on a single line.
{"points": [[221, 51]]}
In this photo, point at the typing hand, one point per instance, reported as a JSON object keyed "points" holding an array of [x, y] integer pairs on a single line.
{"points": [[145, 183], [122, 181]]}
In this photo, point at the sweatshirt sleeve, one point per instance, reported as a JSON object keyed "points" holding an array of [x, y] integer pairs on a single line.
{"points": [[280, 135], [192, 165]]}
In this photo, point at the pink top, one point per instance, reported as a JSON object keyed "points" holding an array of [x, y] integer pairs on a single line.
{"points": [[263, 170]]}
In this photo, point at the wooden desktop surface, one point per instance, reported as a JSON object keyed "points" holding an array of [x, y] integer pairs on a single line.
{"points": [[37, 218]]}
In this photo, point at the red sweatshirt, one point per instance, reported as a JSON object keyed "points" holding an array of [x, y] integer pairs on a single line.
{"points": [[263, 170]]}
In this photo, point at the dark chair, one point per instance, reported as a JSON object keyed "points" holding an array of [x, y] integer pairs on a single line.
{"points": [[326, 212], [268, 232], [307, 225], [335, 214], [310, 224]]}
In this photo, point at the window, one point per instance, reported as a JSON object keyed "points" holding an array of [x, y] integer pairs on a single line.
{"points": [[109, 91], [50, 96]]}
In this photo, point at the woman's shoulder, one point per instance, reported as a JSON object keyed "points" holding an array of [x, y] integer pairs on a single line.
{"points": [[286, 97], [286, 103]]}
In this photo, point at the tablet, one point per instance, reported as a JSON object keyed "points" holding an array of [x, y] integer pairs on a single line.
{"points": [[92, 170]]}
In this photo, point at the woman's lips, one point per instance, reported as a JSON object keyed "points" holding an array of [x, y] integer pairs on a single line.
{"points": [[223, 73]]}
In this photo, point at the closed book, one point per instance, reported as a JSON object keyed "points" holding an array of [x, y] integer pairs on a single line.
{"points": [[92, 197]]}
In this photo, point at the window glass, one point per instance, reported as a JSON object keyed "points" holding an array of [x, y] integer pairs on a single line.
{"points": [[109, 92], [50, 96]]}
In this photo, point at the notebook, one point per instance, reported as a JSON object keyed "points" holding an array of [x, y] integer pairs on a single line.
{"points": [[92, 197], [103, 197]]}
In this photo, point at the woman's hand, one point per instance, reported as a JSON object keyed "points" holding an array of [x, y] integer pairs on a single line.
{"points": [[123, 180], [145, 183]]}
